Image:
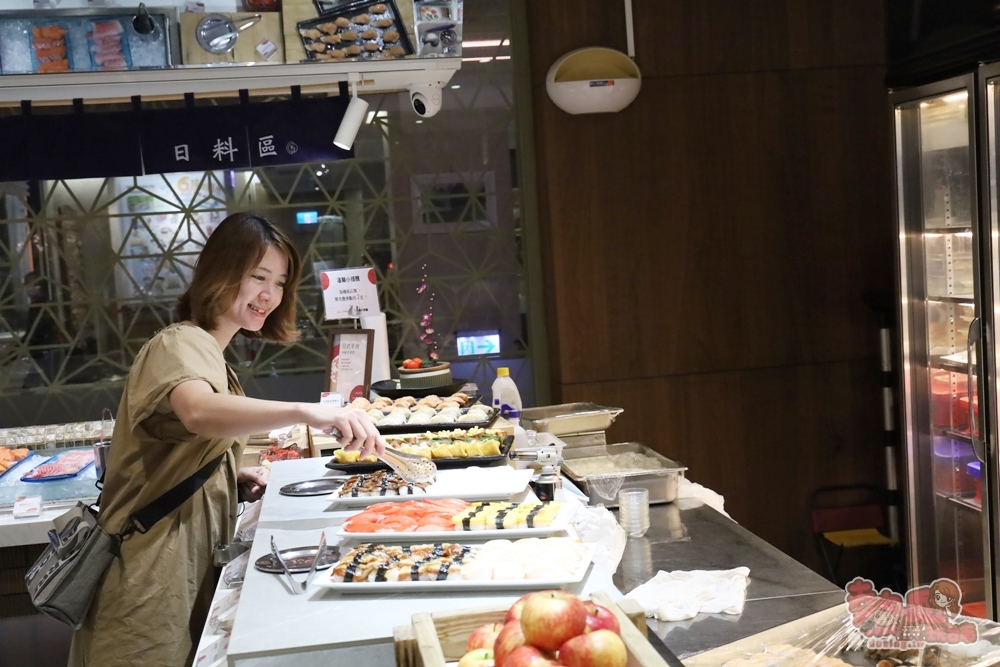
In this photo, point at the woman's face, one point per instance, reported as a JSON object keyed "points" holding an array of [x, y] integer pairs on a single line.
{"points": [[260, 292], [941, 599]]}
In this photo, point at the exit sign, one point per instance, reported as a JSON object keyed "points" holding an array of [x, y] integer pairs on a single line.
{"points": [[470, 346]]}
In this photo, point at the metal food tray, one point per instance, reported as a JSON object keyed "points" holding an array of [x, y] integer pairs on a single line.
{"points": [[569, 418], [662, 483], [442, 464]]}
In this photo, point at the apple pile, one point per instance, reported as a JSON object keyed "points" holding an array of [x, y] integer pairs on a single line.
{"points": [[545, 629]]}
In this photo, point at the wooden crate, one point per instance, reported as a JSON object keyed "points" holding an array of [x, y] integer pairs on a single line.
{"points": [[782, 634], [434, 639]]}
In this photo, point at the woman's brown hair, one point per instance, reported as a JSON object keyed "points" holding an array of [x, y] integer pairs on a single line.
{"points": [[233, 250], [950, 590]]}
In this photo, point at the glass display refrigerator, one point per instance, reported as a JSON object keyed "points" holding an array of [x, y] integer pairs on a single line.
{"points": [[946, 167]]}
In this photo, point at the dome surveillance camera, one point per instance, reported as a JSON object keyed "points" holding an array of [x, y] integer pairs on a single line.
{"points": [[425, 98]]}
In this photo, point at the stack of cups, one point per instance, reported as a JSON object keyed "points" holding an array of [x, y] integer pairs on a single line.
{"points": [[633, 511]]}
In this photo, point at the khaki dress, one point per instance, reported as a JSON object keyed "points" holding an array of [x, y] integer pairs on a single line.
{"points": [[151, 607]]}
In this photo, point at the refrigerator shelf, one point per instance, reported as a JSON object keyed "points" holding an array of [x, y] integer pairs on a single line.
{"points": [[949, 433], [942, 364], [962, 502], [953, 229], [965, 300]]}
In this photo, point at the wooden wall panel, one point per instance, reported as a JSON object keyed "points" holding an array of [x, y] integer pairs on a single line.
{"points": [[734, 221], [708, 250], [686, 37]]}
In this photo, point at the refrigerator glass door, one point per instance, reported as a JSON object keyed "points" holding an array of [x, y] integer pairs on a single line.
{"points": [[937, 213]]}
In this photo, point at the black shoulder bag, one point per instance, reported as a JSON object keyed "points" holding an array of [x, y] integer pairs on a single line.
{"points": [[63, 580]]}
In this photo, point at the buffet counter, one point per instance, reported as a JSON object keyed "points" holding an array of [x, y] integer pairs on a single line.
{"points": [[273, 627], [690, 536]]}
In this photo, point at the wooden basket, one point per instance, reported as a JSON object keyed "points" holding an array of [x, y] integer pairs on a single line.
{"points": [[435, 639]]}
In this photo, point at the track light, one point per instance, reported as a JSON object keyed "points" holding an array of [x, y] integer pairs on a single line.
{"points": [[351, 123]]}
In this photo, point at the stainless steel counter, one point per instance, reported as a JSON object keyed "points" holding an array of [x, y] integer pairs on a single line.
{"points": [[781, 589]]}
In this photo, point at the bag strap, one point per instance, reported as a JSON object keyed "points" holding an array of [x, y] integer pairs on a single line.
{"points": [[145, 518]]}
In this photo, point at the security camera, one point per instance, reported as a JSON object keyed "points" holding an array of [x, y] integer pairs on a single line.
{"points": [[425, 98]]}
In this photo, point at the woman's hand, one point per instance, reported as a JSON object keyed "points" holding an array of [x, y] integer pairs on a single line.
{"points": [[356, 430], [251, 482]]}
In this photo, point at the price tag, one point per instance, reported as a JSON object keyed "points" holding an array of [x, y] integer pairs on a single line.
{"points": [[27, 507], [331, 398], [349, 293]]}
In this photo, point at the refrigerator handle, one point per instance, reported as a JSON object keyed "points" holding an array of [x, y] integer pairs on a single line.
{"points": [[975, 336]]}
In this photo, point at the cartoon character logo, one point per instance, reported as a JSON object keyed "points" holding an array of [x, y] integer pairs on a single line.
{"points": [[927, 614]]}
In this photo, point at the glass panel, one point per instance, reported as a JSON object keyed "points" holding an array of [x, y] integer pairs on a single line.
{"points": [[938, 200], [89, 269]]}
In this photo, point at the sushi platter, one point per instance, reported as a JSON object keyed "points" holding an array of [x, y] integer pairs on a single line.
{"points": [[526, 564], [386, 527], [471, 484], [441, 448]]}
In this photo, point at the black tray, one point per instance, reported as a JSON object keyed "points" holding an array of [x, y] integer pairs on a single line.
{"points": [[442, 464], [403, 429], [390, 389]]}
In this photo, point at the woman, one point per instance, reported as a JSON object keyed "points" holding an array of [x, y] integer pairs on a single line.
{"points": [[181, 408]]}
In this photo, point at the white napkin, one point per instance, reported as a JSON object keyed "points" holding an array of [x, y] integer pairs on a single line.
{"points": [[679, 595], [691, 494]]}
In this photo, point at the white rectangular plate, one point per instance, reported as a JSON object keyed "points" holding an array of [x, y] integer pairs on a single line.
{"points": [[376, 587], [471, 484], [559, 523]]}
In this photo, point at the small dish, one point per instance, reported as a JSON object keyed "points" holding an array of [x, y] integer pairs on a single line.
{"points": [[298, 560]]}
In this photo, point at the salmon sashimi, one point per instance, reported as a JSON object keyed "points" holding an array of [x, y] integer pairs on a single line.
{"points": [[57, 66], [49, 32], [407, 516]]}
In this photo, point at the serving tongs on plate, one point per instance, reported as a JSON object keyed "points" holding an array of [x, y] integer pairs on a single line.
{"points": [[412, 468], [299, 587]]}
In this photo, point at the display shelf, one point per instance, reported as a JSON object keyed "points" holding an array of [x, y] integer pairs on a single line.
{"points": [[965, 300], [954, 229], [962, 502], [940, 364], [949, 433], [370, 77]]}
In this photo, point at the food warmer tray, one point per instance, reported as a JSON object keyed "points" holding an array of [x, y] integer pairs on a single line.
{"points": [[568, 418], [662, 483], [442, 464]]}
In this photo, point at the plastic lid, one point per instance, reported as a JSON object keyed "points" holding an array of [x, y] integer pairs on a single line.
{"points": [[513, 414], [974, 469], [503, 371]]}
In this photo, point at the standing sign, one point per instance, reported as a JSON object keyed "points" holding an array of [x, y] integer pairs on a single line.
{"points": [[351, 363], [349, 293]]}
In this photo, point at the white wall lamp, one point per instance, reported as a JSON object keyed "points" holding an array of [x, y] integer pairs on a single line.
{"points": [[596, 79], [354, 117]]}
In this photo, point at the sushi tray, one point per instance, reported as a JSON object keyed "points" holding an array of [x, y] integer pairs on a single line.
{"points": [[409, 414], [448, 463], [476, 521], [502, 565], [469, 484]]}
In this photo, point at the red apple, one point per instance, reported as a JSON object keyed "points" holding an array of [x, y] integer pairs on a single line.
{"points": [[550, 618], [514, 613], [484, 636], [480, 657], [527, 656], [600, 648], [601, 618], [510, 638]]}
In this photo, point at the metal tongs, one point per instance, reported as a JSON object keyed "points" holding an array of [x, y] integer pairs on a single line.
{"points": [[300, 587], [412, 468]]}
